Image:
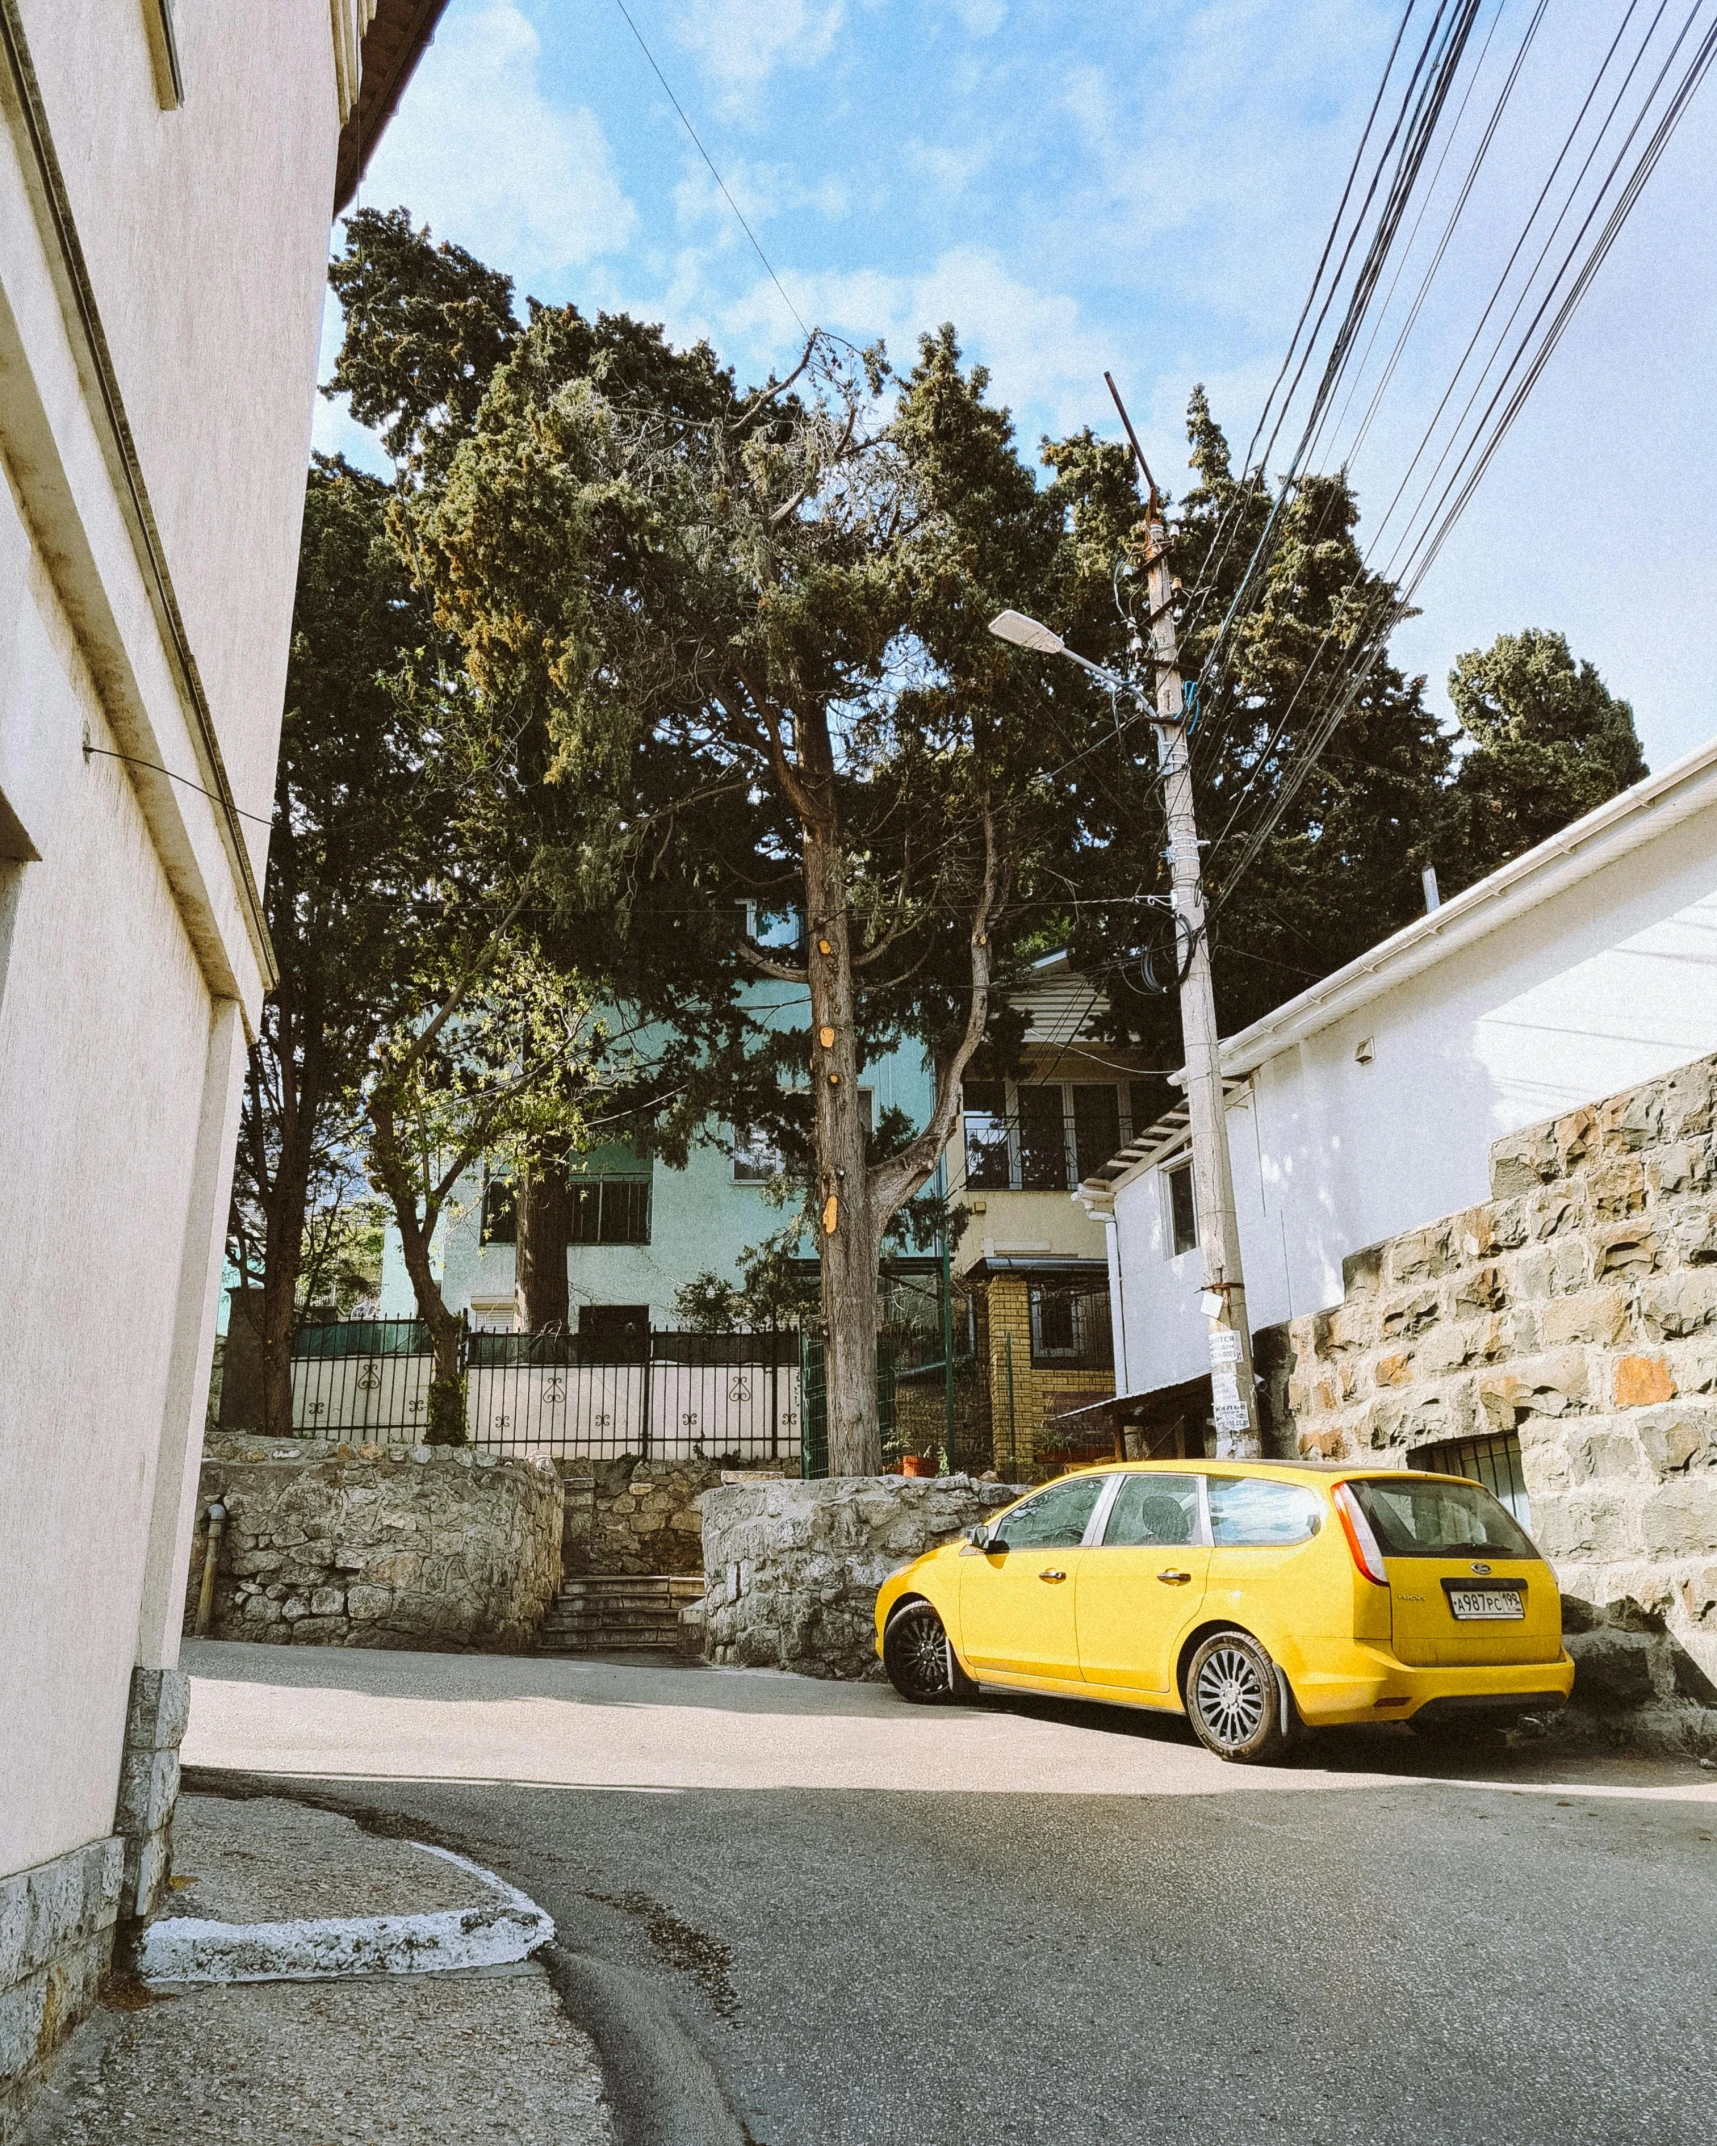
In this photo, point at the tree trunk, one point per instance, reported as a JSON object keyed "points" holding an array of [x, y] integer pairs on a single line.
{"points": [[285, 1201], [446, 1425], [544, 1221], [847, 1242]]}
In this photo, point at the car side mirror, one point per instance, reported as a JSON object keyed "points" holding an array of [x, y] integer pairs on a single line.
{"points": [[983, 1540]]}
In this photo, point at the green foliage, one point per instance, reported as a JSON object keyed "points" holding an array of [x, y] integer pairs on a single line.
{"points": [[1549, 742], [775, 1292], [426, 326]]}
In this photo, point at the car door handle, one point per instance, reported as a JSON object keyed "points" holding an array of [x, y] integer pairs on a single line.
{"points": [[1051, 1574], [1171, 1578]]}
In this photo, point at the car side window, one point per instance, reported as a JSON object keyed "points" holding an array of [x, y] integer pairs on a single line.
{"points": [[1055, 1519], [1156, 1509], [1251, 1511]]}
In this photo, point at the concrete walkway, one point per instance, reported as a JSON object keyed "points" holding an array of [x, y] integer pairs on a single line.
{"points": [[313, 1983]]}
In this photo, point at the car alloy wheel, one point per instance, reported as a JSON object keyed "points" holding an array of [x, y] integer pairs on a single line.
{"points": [[921, 1664], [1236, 1699]]}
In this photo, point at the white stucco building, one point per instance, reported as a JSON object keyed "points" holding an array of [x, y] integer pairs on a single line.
{"points": [[1367, 1105], [167, 177]]}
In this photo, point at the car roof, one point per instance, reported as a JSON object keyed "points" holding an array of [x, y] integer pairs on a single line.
{"points": [[1349, 1470]]}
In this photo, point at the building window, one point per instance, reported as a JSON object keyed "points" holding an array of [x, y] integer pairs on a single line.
{"points": [[1182, 1209], [622, 1330], [1096, 1126], [755, 1157], [1070, 1327], [500, 1212], [1494, 1462], [985, 1120], [610, 1210], [1042, 1140]]}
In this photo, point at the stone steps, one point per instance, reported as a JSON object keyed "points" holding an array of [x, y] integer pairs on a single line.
{"points": [[620, 1610]]}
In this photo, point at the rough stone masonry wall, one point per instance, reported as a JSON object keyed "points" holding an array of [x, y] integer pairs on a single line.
{"points": [[56, 1940], [1578, 1308], [634, 1516], [794, 1567], [424, 1546]]}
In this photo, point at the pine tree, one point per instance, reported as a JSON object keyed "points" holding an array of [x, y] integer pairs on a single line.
{"points": [[1550, 742]]}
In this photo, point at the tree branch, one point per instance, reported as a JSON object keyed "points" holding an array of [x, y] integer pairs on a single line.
{"points": [[894, 1181]]}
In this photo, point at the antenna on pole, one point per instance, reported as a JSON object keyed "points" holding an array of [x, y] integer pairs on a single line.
{"points": [[1133, 438]]}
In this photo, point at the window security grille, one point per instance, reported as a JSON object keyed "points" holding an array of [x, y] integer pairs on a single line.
{"points": [[1494, 1462]]}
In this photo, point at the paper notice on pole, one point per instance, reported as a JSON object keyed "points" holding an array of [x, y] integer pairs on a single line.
{"points": [[1225, 1387], [1232, 1416], [1224, 1346]]}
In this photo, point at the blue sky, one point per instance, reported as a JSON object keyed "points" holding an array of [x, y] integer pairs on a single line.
{"points": [[1142, 187]]}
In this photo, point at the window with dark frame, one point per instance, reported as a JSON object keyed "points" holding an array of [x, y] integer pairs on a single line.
{"points": [[755, 1157], [1070, 1326], [1183, 1210], [985, 1121], [1042, 1140], [1096, 1125], [500, 1223], [610, 1210]]}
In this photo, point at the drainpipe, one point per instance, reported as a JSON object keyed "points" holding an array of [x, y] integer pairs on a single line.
{"points": [[211, 1558]]}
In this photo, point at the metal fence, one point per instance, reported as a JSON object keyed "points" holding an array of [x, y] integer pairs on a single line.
{"points": [[666, 1394]]}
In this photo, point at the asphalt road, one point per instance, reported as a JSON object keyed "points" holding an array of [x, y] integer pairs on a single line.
{"points": [[855, 1923]]}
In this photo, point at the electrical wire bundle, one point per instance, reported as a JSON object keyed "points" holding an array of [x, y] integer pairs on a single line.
{"points": [[1446, 114]]}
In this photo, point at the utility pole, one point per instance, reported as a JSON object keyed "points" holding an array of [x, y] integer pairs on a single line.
{"points": [[1224, 1295]]}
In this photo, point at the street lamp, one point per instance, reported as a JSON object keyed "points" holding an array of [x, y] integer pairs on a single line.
{"points": [[1233, 1396]]}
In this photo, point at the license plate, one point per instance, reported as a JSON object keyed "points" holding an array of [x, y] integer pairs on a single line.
{"points": [[1486, 1602]]}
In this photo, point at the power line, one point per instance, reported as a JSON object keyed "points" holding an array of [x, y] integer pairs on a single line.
{"points": [[714, 174]]}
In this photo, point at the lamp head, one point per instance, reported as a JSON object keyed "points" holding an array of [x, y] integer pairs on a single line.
{"points": [[1025, 632]]}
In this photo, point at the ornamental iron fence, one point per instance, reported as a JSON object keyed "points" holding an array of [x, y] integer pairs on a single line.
{"points": [[663, 1394]]}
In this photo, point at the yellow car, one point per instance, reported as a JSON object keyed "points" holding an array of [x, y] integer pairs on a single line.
{"points": [[1253, 1596]]}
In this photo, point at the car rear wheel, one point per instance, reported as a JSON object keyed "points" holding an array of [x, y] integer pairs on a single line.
{"points": [[1237, 1700], [921, 1663]]}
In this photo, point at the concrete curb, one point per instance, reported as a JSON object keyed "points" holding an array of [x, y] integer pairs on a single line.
{"points": [[192, 1950]]}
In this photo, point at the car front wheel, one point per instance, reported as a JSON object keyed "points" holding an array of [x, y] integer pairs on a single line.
{"points": [[921, 1662], [1237, 1701]]}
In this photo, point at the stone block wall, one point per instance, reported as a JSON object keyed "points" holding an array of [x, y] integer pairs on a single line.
{"points": [[425, 1546], [56, 1940], [1577, 1308], [634, 1516], [794, 1567]]}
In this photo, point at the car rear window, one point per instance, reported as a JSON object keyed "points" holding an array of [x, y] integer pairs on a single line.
{"points": [[1418, 1516], [1250, 1511]]}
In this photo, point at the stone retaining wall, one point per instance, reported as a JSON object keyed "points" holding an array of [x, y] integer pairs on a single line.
{"points": [[634, 1516], [427, 1546], [794, 1567], [1577, 1308]]}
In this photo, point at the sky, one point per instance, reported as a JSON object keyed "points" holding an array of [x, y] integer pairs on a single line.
{"points": [[1144, 188]]}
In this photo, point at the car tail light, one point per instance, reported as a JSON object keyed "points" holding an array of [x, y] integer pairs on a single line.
{"points": [[1360, 1540]]}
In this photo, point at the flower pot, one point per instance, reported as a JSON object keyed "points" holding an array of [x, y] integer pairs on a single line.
{"points": [[917, 1464]]}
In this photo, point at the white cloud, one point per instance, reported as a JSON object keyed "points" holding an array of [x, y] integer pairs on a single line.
{"points": [[759, 190], [982, 18], [950, 170], [739, 44], [1042, 354], [482, 155]]}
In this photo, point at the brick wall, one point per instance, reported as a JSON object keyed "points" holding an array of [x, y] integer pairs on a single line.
{"points": [[1022, 1407], [1576, 1308]]}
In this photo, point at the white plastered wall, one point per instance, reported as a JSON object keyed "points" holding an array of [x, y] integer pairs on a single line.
{"points": [[129, 966], [1610, 982]]}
